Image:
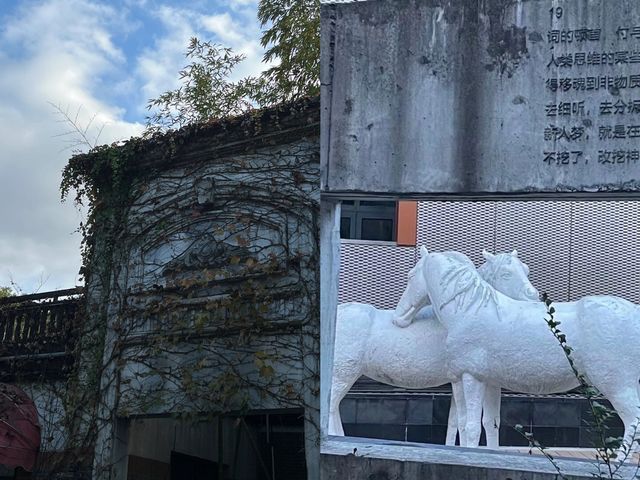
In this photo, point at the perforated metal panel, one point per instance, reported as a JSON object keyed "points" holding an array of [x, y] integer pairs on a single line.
{"points": [[465, 227], [374, 273], [572, 248], [540, 231], [605, 251]]}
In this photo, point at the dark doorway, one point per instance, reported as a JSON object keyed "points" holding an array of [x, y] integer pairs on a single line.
{"points": [[188, 467], [280, 440]]}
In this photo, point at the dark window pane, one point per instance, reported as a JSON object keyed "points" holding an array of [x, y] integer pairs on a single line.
{"points": [[347, 202], [377, 229], [345, 227], [369, 203]]}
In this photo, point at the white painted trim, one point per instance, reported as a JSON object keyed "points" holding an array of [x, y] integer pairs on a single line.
{"points": [[371, 242]]}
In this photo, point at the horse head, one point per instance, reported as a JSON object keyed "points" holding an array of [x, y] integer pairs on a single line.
{"points": [[509, 275], [505, 272], [415, 294]]}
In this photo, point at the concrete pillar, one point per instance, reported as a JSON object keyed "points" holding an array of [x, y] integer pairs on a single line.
{"points": [[329, 274]]}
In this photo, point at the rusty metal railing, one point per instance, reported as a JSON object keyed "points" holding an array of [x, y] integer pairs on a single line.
{"points": [[38, 330]]}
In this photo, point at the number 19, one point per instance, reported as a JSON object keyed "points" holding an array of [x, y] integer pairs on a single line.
{"points": [[557, 12]]}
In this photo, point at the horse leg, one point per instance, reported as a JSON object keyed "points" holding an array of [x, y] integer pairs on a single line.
{"points": [[626, 402], [491, 415], [459, 412], [452, 423], [621, 389], [474, 398], [342, 381]]}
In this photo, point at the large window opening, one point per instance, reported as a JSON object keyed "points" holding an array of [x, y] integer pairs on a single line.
{"points": [[563, 242], [260, 446]]}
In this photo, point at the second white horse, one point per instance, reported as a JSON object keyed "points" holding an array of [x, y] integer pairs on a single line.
{"points": [[506, 342]]}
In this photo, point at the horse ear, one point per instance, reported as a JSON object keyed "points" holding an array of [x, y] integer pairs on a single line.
{"points": [[487, 256], [514, 253], [423, 251]]}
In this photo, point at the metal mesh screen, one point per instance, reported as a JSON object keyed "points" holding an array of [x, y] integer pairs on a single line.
{"points": [[374, 273], [572, 248], [605, 249], [540, 231], [465, 227]]}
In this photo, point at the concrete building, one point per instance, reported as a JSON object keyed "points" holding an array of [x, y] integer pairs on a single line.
{"points": [[195, 344], [207, 302]]}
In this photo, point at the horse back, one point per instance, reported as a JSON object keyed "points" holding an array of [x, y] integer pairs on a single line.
{"points": [[607, 307]]}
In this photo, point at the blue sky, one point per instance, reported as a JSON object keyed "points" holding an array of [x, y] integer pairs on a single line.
{"points": [[94, 58]]}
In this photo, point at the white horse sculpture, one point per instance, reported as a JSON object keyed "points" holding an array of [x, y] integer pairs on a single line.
{"points": [[505, 342], [367, 343]]}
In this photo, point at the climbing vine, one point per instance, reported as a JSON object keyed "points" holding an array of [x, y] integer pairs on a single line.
{"points": [[200, 251], [612, 453]]}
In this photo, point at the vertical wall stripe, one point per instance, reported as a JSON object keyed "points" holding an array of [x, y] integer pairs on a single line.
{"points": [[407, 223]]}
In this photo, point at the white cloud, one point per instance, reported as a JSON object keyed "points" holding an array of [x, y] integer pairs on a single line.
{"points": [[70, 52], [243, 37], [223, 26], [57, 51], [158, 65], [73, 26], [242, 3]]}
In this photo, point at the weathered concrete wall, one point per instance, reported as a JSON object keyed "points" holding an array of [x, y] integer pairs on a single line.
{"points": [[474, 96], [221, 256], [354, 468], [212, 302], [354, 459], [48, 399]]}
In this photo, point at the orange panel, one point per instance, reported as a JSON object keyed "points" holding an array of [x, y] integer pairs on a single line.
{"points": [[407, 223]]}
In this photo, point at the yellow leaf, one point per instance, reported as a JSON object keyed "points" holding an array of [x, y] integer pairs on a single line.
{"points": [[266, 371]]}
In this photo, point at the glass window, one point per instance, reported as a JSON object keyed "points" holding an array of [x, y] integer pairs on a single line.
{"points": [[377, 229], [345, 227], [368, 220]]}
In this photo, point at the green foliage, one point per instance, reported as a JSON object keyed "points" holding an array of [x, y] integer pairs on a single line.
{"points": [[612, 452], [292, 41], [101, 182], [206, 91], [6, 292]]}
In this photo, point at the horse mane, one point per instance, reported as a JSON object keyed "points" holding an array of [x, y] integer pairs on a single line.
{"points": [[489, 270], [464, 283]]}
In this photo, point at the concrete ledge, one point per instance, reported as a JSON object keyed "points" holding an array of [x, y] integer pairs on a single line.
{"points": [[350, 458]]}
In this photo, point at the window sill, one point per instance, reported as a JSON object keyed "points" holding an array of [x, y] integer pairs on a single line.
{"points": [[369, 242]]}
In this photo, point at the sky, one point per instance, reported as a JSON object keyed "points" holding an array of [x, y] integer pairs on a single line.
{"points": [[100, 60]]}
